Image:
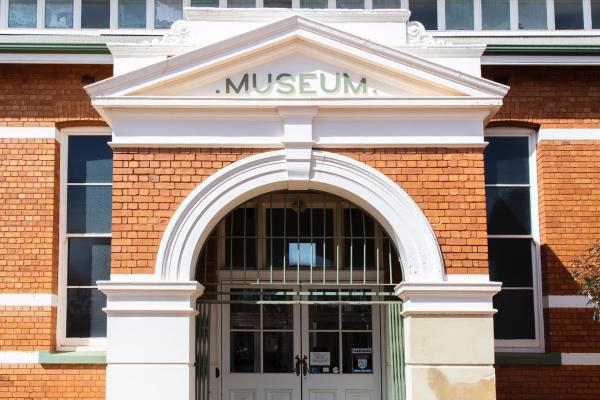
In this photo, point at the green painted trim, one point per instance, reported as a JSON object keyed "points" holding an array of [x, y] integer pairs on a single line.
{"points": [[60, 48], [72, 357], [541, 49], [528, 358]]}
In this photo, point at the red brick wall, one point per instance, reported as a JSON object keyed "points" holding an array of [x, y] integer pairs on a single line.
{"points": [[569, 198], [28, 215], [38, 382], [149, 185], [27, 328], [43, 95], [535, 382], [541, 95]]}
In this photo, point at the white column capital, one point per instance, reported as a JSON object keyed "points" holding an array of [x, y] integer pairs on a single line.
{"points": [[448, 297]]}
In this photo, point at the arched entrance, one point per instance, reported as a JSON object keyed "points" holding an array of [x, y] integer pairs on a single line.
{"points": [[298, 294], [152, 319]]}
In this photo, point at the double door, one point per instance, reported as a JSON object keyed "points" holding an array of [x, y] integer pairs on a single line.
{"points": [[314, 344]]}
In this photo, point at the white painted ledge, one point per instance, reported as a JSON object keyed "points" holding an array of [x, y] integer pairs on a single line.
{"points": [[580, 358], [28, 300], [568, 134], [19, 357], [28, 132], [566, 302]]}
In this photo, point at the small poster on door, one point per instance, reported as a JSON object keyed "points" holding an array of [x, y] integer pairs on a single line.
{"points": [[320, 358], [362, 361]]}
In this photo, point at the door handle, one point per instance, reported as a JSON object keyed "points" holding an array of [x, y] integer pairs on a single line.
{"points": [[304, 366], [297, 367]]}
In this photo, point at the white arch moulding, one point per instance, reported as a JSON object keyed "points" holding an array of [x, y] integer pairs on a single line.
{"points": [[368, 188]]}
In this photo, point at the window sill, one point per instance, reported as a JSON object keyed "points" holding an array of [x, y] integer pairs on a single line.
{"points": [[528, 358], [72, 357]]}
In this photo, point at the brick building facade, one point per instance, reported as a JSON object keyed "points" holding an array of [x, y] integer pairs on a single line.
{"points": [[150, 182]]}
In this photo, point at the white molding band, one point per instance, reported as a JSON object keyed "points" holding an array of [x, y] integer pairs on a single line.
{"points": [[18, 58], [19, 357], [539, 60], [568, 134], [580, 358], [576, 301], [28, 300], [28, 132]]}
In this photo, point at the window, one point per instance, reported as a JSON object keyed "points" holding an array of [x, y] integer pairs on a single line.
{"points": [[166, 12], [512, 238], [22, 13], [495, 14], [596, 14], [277, 3], [205, 3], [568, 14], [132, 13], [459, 14], [532, 14], [350, 4], [386, 4], [241, 3], [59, 14], [424, 11], [85, 259], [95, 13], [313, 3]]}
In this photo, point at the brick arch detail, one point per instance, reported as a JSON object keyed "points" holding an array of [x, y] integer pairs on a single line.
{"points": [[368, 188]]}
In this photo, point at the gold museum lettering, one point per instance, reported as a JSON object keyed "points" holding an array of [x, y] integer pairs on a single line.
{"points": [[303, 84]]}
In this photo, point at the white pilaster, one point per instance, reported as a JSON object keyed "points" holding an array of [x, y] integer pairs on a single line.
{"points": [[449, 338], [150, 339]]}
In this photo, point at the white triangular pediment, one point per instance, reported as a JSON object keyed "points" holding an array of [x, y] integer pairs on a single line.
{"points": [[298, 70], [294, 58]]}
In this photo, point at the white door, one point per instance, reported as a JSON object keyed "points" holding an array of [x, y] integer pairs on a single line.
{"points": [[260, 345], [328, 348], [342, 345]]}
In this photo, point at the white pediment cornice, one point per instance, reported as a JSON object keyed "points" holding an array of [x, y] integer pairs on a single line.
{"points": [[295, 30]]}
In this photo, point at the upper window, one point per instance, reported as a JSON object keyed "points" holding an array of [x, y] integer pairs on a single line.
{"points": [[424, 11], [166, 12], [596, 14], [88, 233], [511, 240], [132, 13], [459, 14], [532, 14], [22, 13], [495, 14], [568, 14], [95, 13], [59, 14]]}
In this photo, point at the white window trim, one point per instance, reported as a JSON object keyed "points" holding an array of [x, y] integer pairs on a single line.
{"points": [[538, 344], [368, 4], [62, 342]]}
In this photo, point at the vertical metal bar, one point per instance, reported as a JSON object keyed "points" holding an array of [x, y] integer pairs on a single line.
{"points": [[390, 259], [325, 236], [206, 261], [271, 237], [351, 242], [244, 237], [232, 218], [298, 239], [311, 237], [284, 231], [377, 260], [364, 248]]}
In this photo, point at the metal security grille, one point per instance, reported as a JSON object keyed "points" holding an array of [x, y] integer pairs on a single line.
{"points": [[292, 238], [304, 247]]}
